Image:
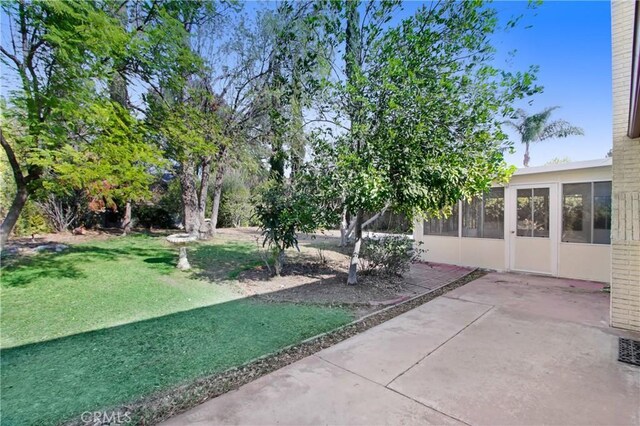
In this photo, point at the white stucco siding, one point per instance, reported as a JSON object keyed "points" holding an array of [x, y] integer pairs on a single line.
{"points": [[551, 256]]}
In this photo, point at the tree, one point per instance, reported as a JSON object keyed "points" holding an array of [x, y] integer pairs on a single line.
{"points": [[183, 109], [558, 160], [61, 55], [537, 128], [421, 101], [187, 128]]}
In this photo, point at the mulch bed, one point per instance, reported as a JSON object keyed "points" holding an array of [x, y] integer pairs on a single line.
{"points": [[161, 406]]}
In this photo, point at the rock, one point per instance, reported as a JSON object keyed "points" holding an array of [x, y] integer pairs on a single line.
{"points": [[49, 247]]}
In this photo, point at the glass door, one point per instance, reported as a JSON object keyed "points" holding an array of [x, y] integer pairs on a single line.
{"points": [[533, 245]]}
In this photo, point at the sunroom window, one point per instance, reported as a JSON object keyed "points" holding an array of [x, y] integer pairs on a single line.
{"points": [[483, 217], [586, 212], [447, 227]]}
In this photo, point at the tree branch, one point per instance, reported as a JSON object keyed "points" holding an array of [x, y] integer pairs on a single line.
{"points": [[13, 58], [13, 161]]}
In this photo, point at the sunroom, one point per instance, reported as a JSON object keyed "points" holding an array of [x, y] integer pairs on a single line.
{"points": [[552, 220]]}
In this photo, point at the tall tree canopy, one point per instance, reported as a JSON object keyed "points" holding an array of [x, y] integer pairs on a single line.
{"points": [[60, 56], [421, 101]]}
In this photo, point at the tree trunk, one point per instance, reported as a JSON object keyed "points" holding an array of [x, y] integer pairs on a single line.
{"points": [[22, 195], [217, 193], [22, 192], [375, 217], [189, 194], [126, 221], [205, 173], [355, 256], [353, 64], [526, 154], [343, 228], [279, 262], [349, 229]]}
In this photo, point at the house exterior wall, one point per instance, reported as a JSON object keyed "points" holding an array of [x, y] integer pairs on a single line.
{"points": [[574, 260], [625, 238]]}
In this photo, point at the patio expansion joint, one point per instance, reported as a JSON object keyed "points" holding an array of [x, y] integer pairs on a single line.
{"points": [[489, 309], [467, 300], [390, 389], [440, 284]]}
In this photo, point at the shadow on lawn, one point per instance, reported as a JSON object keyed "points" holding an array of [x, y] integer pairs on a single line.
{"points": [[220, 262], [52, 381], [22, 271], [212, 262]]}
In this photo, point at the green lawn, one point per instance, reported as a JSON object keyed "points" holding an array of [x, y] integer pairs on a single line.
{"points": [[167, 337], [107, 283]]}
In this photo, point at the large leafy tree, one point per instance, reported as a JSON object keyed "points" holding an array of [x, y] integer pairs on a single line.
{"points": [[539, 127], [58, 57], [186, 126], [183, 110], [421, 102]]}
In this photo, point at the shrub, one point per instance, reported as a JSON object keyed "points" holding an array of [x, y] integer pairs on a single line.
{"points": [[283, 211], [153, 216], [235, 203], [31, 221], [390, 255]]}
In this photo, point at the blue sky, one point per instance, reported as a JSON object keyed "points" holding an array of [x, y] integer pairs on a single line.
{"points": [[571, 42]]}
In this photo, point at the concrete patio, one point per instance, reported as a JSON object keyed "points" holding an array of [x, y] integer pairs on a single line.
{"points": [[504, 349]]}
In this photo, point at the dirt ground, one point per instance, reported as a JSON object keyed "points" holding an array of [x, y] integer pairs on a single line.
{"points": [[318, 274]]}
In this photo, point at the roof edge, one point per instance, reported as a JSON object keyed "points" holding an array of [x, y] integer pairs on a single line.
{"points": [[576, 165]]}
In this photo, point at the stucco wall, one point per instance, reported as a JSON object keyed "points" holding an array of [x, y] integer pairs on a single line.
{"points": [[573, 260], [625, 238]]}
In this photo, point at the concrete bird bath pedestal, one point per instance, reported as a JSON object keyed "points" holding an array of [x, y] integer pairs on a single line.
{"points": [[181, 240]]}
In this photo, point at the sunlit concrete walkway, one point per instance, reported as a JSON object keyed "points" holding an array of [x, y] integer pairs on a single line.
{"points": [[505, 349]]}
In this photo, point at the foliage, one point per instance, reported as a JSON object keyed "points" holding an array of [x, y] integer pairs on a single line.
{"points": [[60, 130], [422, 101], [431, 134], [153, 216], [115, 165], [32, 221], [389, 254], [537, 128], [282, 212], [235, 204], [164, 209]]}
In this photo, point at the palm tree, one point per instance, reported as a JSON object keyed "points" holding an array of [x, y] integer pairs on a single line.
{"points": [[537, 128]]}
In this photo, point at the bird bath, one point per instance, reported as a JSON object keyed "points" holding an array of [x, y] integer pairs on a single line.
{"points": [[181, 240]]}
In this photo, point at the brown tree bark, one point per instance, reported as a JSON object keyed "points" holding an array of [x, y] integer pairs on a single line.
{"points": [[217, 188], [22, 193], [205, 173], [189, 194], [126, 220]]}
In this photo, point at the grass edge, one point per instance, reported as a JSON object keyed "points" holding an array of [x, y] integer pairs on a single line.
{"points": [[162, 405]]}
